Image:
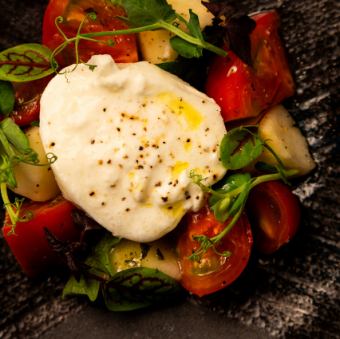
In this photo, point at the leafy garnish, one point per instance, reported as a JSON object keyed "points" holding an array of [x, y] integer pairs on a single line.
{"points": [[145, 15], [7, 97], [99, 261], [25, 62], [14, 148], [147, 12], [88, 287], [185, 48], [122, 291], [137, 288], [239, 148]]}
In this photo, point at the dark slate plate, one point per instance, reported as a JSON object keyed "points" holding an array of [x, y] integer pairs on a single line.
{"points": [[292, 294]]}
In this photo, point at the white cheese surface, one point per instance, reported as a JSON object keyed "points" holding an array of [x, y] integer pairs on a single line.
{"points": [[126, 138]]}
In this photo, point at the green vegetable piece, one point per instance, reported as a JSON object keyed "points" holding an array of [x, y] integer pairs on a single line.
{"points": [[142, 13], [25, 62], [239, 148], [137, 288], [99, 261], [88, 287], [7, 97]]}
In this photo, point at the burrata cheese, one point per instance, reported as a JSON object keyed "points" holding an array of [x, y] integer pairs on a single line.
{"points": [[126, 137]]}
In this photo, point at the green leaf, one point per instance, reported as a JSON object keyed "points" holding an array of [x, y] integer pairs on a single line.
{"points": [[185, 49], [140, 287], [100, 260], [25, 62], [147, 12], [7, 97], [239, 148], [15, 136], [194, 26], [88, 287]]}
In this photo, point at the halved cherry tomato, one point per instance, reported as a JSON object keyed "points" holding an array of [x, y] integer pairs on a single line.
{"points": [[243, 91], [122, 48], [29, 244], [274, 213], [213, 272], [27, 101]]}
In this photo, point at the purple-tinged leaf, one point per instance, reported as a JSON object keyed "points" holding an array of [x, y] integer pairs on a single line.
{"points": [[25, 62]]}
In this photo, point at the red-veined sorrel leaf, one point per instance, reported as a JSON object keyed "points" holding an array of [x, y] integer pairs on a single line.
{"points": [[25, 62]]}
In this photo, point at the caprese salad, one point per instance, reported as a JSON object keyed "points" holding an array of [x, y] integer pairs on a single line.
{"points": [[139, 139]]}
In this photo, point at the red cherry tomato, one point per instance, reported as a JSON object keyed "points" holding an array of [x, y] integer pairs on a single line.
{"points": [[274, 213], [29, 244], [123, 48], [27, 101], [243, 91], [213, 272]]}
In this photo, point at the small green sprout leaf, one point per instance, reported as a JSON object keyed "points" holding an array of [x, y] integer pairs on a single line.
{"points": [[142, 12], [240, 147]]}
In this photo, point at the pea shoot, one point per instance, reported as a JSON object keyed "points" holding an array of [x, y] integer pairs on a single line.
{"points": [[239, 148]]}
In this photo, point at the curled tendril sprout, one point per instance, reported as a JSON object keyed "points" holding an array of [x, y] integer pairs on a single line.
{"points": [[51, 158]]}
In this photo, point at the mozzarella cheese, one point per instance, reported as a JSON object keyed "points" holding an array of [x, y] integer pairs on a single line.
{"points": [[126, 138]]}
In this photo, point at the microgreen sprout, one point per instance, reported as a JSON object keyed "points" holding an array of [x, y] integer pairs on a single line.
{"points": [[239, 148], [143, 15], [15, 149]]}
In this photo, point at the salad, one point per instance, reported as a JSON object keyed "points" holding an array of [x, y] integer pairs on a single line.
{"points": [[139, 182]]}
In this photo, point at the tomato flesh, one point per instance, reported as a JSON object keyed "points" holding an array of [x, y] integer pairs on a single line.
{"points": [[213, 272], [122, 48], [244, 91], [274, 213], [29, 244]]}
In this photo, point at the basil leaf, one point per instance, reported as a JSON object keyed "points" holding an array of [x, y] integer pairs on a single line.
{"points": [[100, 260], [88, 287], [137, 288], [7, 97], [239, 148], [25, 62], [147, 12]]}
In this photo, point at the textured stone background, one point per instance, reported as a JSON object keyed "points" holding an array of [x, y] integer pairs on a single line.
{"points": [[292, 294]]}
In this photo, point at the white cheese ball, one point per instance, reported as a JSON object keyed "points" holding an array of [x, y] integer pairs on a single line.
{"points": [[127, 137]]}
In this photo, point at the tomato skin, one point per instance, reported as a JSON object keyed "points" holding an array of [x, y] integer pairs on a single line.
{"points": [[73, 12], [214, 272], [27, 101], [243, 91], [274, 212], [29, 244]]}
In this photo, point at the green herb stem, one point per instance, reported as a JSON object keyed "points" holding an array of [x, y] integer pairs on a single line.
{"points": [[270, 177], [8, 205], [195, 41], [159, 25], [133, 30]]}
